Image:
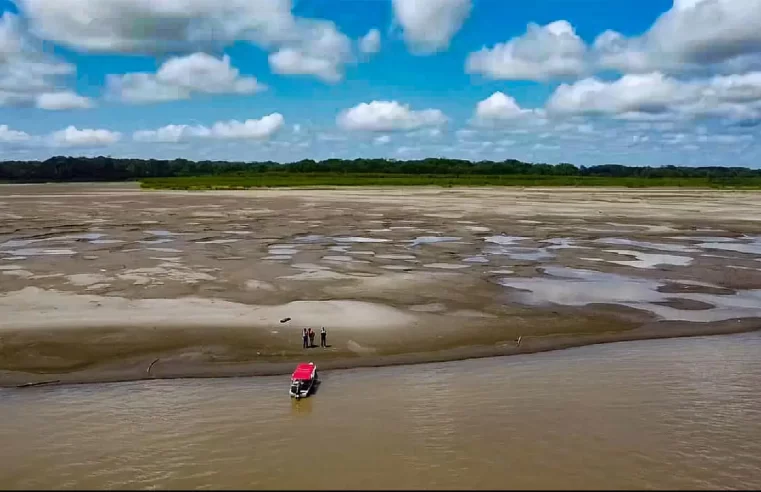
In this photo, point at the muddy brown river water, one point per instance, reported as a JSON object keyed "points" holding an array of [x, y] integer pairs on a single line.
{"points": [[675, 413]]}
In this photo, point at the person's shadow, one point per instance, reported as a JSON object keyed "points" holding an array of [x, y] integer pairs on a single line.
{"points": [[312, 345]]}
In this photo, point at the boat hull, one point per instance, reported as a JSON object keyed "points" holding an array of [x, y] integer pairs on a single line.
{"points": [[303, 381]]}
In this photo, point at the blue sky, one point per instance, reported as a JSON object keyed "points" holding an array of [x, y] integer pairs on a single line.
{"points": [[587, 82]]}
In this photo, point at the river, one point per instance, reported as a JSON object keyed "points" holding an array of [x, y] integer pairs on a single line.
{"points": [[679, 413]]}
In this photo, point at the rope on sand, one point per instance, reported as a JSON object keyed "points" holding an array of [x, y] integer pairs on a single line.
{"points": [[151, 366]]}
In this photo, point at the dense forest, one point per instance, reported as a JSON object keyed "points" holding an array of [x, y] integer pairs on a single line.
{"points": [[110, 169]]}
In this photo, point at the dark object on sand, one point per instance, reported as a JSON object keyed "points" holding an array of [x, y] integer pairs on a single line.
{"points": [[285, 320], [40, 383]]}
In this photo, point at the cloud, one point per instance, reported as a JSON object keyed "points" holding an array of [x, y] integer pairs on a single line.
{"points": [[384, 116], [382, 140], [149, 27], [28, 74], [181, 77], [260, 129], [57, 101], [13, 136], [542, 53], [694, 36], [371, 42], [320, 51], [251, 129], [650, 93], [171, 134], [73, 137], [500, 108], [724, 34], [294, 62], [429, 25], [301, 45], [657, 95]]}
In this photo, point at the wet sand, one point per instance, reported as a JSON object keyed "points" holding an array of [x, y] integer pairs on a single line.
{"points": [[105, 282]]}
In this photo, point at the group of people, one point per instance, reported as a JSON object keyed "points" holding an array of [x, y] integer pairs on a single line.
{"points": [[308, 334]]}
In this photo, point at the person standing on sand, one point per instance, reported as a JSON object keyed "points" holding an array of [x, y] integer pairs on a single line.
{"points": [[304, 337], [311, 338], [323, 337]]}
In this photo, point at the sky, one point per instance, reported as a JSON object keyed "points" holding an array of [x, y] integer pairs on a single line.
{"points": [[588, 82]]}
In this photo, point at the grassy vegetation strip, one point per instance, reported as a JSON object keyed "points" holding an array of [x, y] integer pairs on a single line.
{"points": [[274, 180]]}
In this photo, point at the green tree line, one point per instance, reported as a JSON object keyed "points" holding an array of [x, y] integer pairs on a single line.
{"points": [[63, 169]]}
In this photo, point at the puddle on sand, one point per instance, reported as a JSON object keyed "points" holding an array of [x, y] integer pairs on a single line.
{"points": [[165, 250], [338, 258], [575, 287], [339, 249], [705, 239], [477, 228], [396, 257], [476, 259], [360, 240], [433, 240], [446, 266], [91, 236], [218, 241], [162, 233], [155, 241], [277, 258], [753, 247], [18, 243], [504, 240], [281, 251], [618, 241], [648, 260], [40, 252], [562, 243], [106, 241], [521, 254], [310, 238]]}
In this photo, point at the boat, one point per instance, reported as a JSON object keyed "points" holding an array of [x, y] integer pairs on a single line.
{"points": [[303, 380]]}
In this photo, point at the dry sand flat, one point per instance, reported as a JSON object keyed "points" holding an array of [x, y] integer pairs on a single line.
{"points": [[103, 282]]}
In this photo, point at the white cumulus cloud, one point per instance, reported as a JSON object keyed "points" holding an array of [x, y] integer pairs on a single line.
{"points": [[57, 101], [251, 129], [384, 116], [725, 34], [8, 135], [260, 129], [543, 52], [179, 78], [429, 25], [29, 75], [499, 107], [639, 95], [371, 42], [71, 136], [321, 51], [143, 26]]}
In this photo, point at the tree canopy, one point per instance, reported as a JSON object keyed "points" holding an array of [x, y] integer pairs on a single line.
{"points": [[63, 169]]}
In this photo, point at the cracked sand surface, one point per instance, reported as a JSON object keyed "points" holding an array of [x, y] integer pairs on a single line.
{"points": [[391, 271]]}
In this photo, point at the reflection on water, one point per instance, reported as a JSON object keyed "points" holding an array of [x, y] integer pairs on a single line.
{"points": [[656, 414]]}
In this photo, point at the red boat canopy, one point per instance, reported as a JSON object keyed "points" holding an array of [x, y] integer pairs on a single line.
{"points": [[303, 372]]}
